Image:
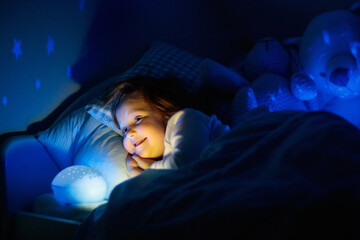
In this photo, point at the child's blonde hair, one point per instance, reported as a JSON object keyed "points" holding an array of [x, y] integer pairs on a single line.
{"points": [[167, 95]]}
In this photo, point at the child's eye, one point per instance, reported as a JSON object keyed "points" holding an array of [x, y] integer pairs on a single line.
{"points": [[138, 120], [124, 131]]}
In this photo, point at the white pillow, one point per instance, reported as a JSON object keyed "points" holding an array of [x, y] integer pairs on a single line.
{"points": [[80, 139], [61, 139]]}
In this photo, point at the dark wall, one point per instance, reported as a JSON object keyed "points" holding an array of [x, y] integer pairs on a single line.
{"points": [[51, 51]]}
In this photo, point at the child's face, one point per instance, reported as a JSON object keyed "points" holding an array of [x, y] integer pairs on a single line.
{"points": [[143, 127]]}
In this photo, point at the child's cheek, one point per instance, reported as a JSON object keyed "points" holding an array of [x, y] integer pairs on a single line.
{"points": [[128, 147]]}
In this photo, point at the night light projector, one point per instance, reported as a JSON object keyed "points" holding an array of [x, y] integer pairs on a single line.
{"points": [[79, 184]]}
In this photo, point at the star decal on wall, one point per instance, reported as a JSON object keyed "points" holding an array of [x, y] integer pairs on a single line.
{"points": [[17, 48], [68, 72], [37, 84], [50, 45], [4, 101]]}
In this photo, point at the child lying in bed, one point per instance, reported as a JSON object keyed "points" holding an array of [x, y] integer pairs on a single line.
{"points": [[158, 131]]}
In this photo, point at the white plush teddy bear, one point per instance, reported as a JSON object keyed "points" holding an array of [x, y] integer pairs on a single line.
{"points": [[329, 54]]}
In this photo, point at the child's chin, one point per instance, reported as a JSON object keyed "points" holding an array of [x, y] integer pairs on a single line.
{"points": [[150, 156]]}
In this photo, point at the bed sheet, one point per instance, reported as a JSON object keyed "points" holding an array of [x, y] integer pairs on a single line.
{"points": [[279, 175]]}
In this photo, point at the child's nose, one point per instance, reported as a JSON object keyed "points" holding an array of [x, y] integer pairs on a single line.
{"points": [[131, 133]]}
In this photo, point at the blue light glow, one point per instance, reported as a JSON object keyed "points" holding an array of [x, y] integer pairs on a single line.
{"points": [[79, 184], [273, 98], [252, 99], [329, 54], [4, 101], [68, 72], [37, 84], [354, 47], [81, 5], [17, 48], [50, 45], [326, 37]]}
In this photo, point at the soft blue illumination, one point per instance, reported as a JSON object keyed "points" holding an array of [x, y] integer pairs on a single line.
{"points": [[50, 45], [326, 37], [273, 97], [4, 101], [37, 84], [68, 72], [81, 4], [17, 48], [31, 59], [79, 184]]}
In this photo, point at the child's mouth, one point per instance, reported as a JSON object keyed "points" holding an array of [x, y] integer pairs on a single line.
{"points": [[139, 142]]}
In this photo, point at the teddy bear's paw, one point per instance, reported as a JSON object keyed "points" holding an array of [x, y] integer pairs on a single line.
{"points": [[303, 87]]}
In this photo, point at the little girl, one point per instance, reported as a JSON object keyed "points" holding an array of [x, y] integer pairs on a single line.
{"points": [[158, 131]]}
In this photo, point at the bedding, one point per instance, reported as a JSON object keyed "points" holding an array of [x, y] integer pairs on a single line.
{"points": [[277, 175]]}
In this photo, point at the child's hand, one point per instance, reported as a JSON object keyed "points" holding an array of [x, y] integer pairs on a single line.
{"points": [[133, 166], [143, 163]]}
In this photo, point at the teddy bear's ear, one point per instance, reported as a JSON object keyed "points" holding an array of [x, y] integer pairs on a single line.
{"points": [[267, 56], [355, 8]]}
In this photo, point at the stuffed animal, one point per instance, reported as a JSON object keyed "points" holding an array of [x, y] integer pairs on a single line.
{"points": [[268, 67], [319, 71], [329, 53]]}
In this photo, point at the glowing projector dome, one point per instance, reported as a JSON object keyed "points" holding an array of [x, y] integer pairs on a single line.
{"points": [[79, 184]]}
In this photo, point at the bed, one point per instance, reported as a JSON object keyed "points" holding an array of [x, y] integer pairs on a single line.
{"points": [[282, 175], [285, 172]]}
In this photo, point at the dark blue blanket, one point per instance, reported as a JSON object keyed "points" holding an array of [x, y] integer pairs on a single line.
{"points": [[282, 175]]}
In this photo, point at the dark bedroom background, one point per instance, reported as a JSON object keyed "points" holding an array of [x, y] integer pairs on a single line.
{"points": [[52, 51]]}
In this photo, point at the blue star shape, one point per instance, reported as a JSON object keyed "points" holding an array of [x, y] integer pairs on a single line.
{"points": [[17, 48], [68, 72], [4, 101], [50, 45], [37, 84], [272, 96]]}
